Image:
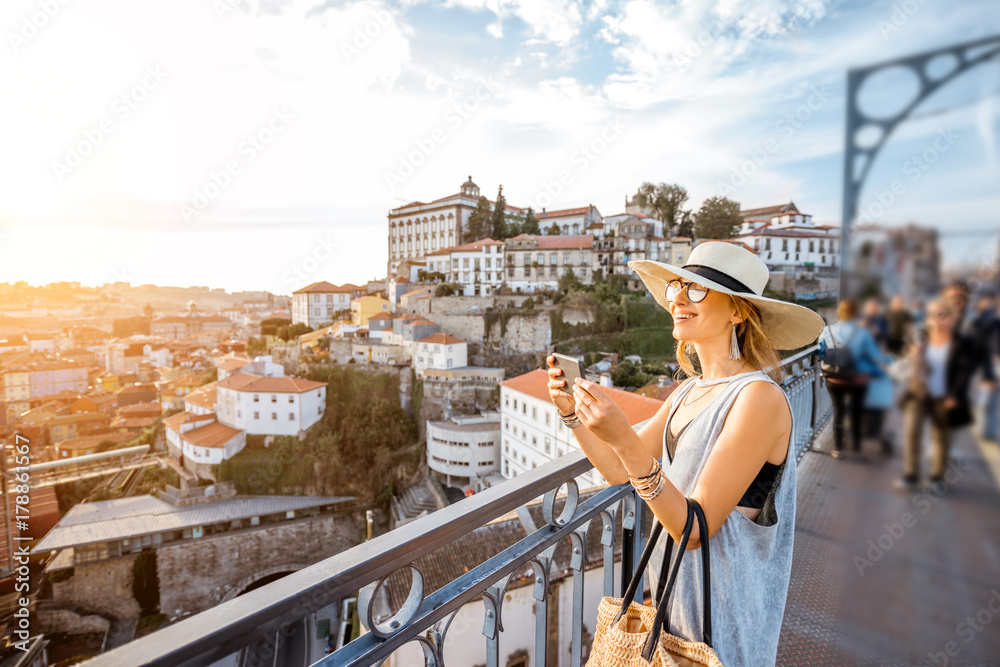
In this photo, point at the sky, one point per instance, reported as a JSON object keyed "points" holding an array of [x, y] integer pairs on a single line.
{"points": [[259, 144]]}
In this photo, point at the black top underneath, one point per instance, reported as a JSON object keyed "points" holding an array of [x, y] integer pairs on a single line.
{"points": [[756, 493]]}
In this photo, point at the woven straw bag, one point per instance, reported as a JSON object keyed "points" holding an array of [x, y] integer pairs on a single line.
{"points": [[631, 635]]}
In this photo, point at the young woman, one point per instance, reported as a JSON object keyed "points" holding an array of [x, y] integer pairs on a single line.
{"points": [[723, 438], [943, 362]]}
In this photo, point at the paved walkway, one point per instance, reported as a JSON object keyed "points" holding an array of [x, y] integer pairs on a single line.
{"points": [[885, 577]]}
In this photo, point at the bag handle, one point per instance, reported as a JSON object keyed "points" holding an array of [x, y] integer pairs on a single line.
{"points": [[694, 510], [661, 608]]}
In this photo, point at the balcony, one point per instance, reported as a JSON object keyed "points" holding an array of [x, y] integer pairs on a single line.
{"points": [[592, 524]]}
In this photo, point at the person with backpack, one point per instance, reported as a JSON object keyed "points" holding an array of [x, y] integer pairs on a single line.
{"points": [[849, 356]]}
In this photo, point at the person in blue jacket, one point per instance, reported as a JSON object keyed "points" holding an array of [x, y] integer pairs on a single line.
{"points": [[848, 394]]}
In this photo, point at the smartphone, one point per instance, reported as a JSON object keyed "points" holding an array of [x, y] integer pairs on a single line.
{"points": [[571, 368]]}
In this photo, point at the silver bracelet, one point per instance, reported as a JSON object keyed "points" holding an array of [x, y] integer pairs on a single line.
{"points": [[571, 421]]}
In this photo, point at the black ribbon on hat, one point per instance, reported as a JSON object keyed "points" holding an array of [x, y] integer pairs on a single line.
{"points": [[719, 277]]}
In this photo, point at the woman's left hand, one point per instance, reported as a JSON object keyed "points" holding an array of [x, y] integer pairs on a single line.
{"points": [[601, 415]]}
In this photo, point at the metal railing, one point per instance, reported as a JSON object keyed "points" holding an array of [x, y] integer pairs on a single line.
{"points": [[425, 619]]}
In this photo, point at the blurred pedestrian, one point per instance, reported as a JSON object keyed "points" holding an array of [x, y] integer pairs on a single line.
{"points": [[919, 313], [899, 321], [943, 362], [873, 320], [986, 328], [849, 357]]}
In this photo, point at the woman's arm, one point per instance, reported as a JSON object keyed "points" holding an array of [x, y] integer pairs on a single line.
{"points": [[600, 453], [758, 422]]}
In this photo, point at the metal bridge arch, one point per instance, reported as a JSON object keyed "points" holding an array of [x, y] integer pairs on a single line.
{"points": [[857, 158]]}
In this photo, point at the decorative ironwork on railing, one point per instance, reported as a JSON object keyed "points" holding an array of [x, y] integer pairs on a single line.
{"points": [[425, 618]]}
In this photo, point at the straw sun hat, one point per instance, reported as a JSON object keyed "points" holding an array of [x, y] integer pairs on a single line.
{"points": [[732, 269]]}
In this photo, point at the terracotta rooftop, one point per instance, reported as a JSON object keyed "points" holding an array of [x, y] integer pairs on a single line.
{"points": [[203, 398], [232, 364], [173, 422], [468, 247], [322, 286], [562, 213], [277, 385], [637, 408], [213, 435], [770, 211], [441, 339], [93, 440]]}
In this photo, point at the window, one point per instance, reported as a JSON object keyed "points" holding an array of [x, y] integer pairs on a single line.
{"points": [[291, 399], [784, 246], [256, 398], [552, 259], [274, 416], [256, 415], [534, 413], [548, 445], [239, 413], [291, 416], [319, 410], [548, 417], [274, 399]]}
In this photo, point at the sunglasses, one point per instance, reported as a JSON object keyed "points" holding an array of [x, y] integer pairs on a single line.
{"points": [[695, 293]]}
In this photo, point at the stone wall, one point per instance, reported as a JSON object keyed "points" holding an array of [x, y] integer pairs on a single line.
{"points": [[68, 622], [198, 574], [103, 588], [524, 331]]}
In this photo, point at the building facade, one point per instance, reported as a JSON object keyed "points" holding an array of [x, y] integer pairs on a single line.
{"points": [[538, 262], [477, 267], [462, 449], [319, 303]]}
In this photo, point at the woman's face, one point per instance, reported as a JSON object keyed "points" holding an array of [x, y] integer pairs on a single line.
{"points": [[940, 318], [696, 321]]}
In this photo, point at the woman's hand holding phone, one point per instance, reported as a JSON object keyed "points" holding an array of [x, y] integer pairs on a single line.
{"points": [[564, 402]]}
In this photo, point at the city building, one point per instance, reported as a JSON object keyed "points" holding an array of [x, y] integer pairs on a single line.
{"points": [[319, 303], [269, 405], [787, 239], [418, 228], [532, 432], [571, 221], [365, 307], [538, 262], [462, 450], [477, 267], [439, 350]]}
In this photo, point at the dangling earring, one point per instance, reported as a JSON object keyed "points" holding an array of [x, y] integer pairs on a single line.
{"points": [[734, 345]]}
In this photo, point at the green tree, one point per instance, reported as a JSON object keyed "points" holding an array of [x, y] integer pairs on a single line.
{"points": [[719, 218], [498, 222], [686, 226], [479, 221], [665, 201], [553, 230], [530, 224], [569, 282], [445, 289]]}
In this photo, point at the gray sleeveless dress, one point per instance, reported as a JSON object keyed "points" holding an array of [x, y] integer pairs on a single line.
{"points": [[751, 560]]}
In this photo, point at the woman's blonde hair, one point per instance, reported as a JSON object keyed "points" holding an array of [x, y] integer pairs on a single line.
{"points": [[755, 345]]}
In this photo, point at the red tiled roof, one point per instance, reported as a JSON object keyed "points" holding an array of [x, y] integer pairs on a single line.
{"points": [[441, 339], [562, 213], [73, 419], [277, 385], [173, 422], [468, 247], [203, 398], [770, 211], [557, 242], [637, 408], [232, 364], [381, 316], [93, 440], [213, 435], [323, 287]]}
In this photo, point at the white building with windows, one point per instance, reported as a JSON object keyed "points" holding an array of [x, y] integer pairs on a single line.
{"points": [[532, 433], [439, 351], [462, 450], [476, 267], [269, 405], [418, 228], [787, 239], [318, 304], [571, 221], [538, 262]]}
